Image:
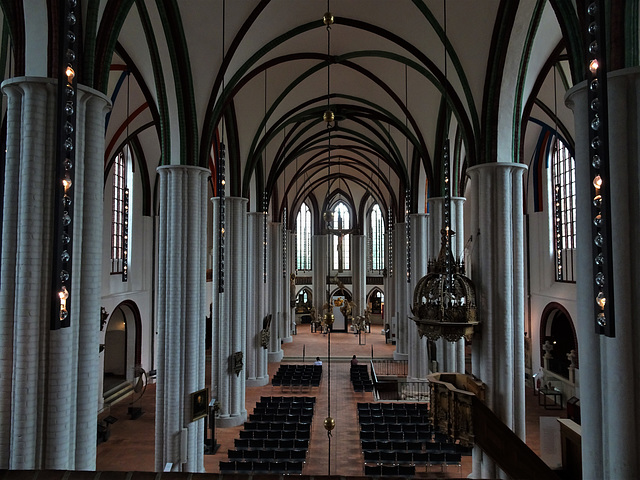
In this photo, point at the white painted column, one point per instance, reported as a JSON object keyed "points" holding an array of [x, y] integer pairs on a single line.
{"points": [[418, 352], [498, 344], [319, 248], [609, 399], [359, 273], [450, 355], [256, 364], [181, 315], [274, 290], [230, 313], [403, 299], [285, 304], [48, 402]]}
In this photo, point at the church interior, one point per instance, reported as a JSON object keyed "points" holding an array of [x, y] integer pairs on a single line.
{"points": [[351, 238]]}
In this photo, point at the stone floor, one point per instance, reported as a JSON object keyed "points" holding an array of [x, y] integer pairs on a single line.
{"points": [[131, 443]]}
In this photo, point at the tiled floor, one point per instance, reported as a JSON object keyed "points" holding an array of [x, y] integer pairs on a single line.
{"points": [[131, 444]]}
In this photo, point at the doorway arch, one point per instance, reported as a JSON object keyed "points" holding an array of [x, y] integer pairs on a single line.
{"points": [[122, 346], [557, 327]]}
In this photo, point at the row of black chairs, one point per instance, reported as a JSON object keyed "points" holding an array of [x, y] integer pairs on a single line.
{"points": [[271, 443], [301, 417], [279, 400], [400, 446], [297, 376], [404, 436], [390, 417], [396, 427], [270, 426], [412, 458], [279, 455], [276, 434], [390, 470], [359, 375], [399, 407], [261, 466]]}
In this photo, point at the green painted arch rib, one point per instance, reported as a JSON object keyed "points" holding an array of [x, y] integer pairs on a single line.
{"points": [[321, 65], [89, 46], [161, 92], [113, 17], [455, 61], [313, 114], [493, 80], [213, 112], [313, 117], [570, 27], [523, 67], [183, 80], [631, 40]]}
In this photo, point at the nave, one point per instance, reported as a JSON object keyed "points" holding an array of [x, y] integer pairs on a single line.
{"points": [[130, 446]]}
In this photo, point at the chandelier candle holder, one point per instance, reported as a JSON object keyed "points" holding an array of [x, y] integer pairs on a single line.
{"points": [[444, 300], [599, 169], [65, 159]]}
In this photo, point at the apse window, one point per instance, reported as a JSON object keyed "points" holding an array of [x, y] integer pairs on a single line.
{"points": [[341, 239], [564, 208], [119, 216], [376, 239], [303, 238]]}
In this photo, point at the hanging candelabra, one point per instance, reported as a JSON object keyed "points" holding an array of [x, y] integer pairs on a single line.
{"points": [[407, 226], [222, 216], [284, 242], [390, 242]]}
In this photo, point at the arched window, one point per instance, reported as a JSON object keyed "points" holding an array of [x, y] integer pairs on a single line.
{"points": [[376, 239], [119, 214], [564, 209], [341, 241], [303, 238]]}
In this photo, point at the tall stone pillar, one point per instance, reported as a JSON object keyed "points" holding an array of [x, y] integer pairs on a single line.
{"points": [[498, 273], [359, 273], [230, 314], [285, 304], [418, 352], [256, 364], [401, 286], [181, 315], [274, 290], [50, 381], [320, 250], [450, 355], [609, 403]]}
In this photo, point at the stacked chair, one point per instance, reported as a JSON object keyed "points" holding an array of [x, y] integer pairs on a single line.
{"points": [[398, 437], [297, 377], [360, 378], [275, 440]]}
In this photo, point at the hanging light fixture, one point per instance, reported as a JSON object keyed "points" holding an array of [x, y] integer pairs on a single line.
{"points": [[65, 159], [221, 183], [329, 118], [599, 168], [444, 300]]}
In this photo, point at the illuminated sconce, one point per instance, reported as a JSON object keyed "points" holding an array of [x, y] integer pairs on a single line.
{"points": [[65, 158], [284, 243], [125, 237], [599, 168], [390, 241], [222, 217]]}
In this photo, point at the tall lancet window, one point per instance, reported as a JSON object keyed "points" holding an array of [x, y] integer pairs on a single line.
{"points": [[341, 239], [376, 239], [564, 211], [303, 238], [119, 210]]}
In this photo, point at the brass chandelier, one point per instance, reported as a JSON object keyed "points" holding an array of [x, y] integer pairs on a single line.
{"points": [[444, 300]]}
